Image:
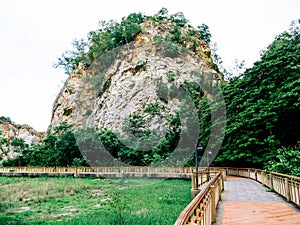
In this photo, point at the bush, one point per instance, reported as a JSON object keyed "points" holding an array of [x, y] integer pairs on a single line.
{"points": [[5, 119], [171, 50], [171, 75], [286, 161]]}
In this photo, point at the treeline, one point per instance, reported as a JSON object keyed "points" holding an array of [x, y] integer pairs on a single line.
{"points": [[263, 108], [58, 148]]}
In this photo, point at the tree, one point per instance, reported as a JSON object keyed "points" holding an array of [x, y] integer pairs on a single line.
{"points": [[58, 148], [286, 160], [70, 58], [204, 32], [263, 104], [110, 35]]}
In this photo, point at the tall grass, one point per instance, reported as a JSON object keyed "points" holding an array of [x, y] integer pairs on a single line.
{"points": [[91, 201]]}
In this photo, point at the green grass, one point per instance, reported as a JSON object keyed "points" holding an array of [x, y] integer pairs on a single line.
{"points": [[74, 201]]}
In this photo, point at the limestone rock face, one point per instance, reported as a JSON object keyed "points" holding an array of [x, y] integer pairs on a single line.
{"points": [[138, 75], [10, 132]]}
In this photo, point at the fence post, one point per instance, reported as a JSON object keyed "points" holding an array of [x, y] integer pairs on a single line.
{"points": [[75, 171], [287, 188], [271, 182], [213, 204], [225, 173], [220, 187], [195, 189]]}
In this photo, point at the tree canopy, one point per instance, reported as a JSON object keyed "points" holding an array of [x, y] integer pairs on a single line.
{"points": [[263, 105]]}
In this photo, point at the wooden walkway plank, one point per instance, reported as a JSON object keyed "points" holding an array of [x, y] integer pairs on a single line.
{"points": [[246, 202]]}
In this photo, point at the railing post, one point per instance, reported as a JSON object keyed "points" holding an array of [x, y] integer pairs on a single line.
{"points": [[223, 177], [271, 181], [220, 187], [201, 178], [225, 172], [75, 172], [287, 188], [195, 189], [213, 204]]}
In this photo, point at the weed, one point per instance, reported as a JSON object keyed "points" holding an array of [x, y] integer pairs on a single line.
{"points": [[75, 201]]}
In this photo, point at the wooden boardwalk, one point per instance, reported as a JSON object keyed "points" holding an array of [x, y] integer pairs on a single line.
{"points": [[246, 202]]}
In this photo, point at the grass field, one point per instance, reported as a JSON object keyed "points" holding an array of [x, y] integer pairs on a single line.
{"points": [[76, 201]]}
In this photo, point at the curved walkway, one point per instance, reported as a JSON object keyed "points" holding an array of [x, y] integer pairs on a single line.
{"points": [[246, 202]]}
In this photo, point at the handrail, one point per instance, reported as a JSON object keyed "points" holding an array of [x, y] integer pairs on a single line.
{"points": [[202, 209], [113, 171], [287, 186]]}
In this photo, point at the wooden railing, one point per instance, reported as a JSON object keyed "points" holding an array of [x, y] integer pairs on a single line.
{"points": [[158, 172], [285, 185], [202, 209]]}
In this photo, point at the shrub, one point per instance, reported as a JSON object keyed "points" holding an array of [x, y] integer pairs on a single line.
{"points": [[171, 50]]}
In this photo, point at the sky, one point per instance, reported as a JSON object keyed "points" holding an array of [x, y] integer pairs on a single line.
{"points": [[34, 33]]}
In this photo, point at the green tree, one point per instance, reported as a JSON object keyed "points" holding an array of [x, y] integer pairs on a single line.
{"points": [[263, 104], [71, 58], [286, 160], [204, 32]]}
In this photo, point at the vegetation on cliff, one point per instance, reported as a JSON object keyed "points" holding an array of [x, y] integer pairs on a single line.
{"points": [[112, 35]]}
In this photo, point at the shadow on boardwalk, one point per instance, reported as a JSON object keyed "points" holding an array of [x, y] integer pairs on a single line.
{"points": [[246, 202]]}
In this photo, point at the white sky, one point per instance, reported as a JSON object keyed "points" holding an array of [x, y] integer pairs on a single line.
{"points": [[34, 33]]}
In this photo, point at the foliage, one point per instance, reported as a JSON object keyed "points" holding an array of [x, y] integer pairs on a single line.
{"points": [[58, 148], [3, 144], [263, 104], [171, 50], [176, 34], [204, 32], [110, 35], [179, 19], [286, 160], [117, 205], [5, 119], [171, 75], [97, 146], [135, 122], [154, 108], [136, 146], [71, 58], [162, 14]]}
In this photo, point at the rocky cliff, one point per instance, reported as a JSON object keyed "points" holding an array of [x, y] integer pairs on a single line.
{"points": [[13, 135], [136, 78]]}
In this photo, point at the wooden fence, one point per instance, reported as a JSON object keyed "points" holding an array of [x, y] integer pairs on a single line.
{"points": [[106, 172], [202, 209], [285, 185]]}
